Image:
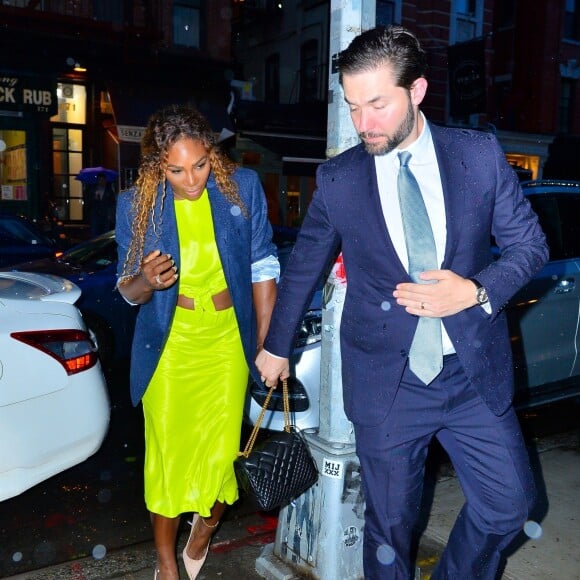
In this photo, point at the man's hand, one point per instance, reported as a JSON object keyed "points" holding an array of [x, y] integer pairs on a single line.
{"points": [[447, 295], [272, 368]]}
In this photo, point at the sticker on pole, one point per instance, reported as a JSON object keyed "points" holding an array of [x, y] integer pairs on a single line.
{"points": [[332, 468], [350, 536]]}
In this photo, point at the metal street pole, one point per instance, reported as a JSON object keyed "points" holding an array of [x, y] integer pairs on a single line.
{"points": [[319, 535]]}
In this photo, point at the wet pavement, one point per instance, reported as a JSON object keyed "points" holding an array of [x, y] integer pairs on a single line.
{"points": [[90, 521], [243, 538]]}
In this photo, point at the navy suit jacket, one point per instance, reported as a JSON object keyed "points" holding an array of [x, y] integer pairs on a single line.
{"points": [[241, 241], [482, 199]]}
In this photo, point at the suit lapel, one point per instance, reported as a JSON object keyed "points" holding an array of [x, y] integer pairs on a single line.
{"points": [[391, 255], [453, 180]]}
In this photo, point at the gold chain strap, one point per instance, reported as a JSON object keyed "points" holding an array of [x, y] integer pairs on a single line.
{"points": [[285, 398], [254, 434]]}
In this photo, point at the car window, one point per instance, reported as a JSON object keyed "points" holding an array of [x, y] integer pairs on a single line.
{"points": [[558, 215], [98, 253], [21, 289], [14, 231], [570, 215]]}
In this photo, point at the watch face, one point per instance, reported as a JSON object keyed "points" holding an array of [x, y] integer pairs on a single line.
{"points": [[481, 295]]}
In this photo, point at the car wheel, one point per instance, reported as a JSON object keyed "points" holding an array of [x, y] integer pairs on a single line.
{"points": [[103, 337]]}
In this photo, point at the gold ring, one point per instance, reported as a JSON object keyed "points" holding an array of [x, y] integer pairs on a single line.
{"points": [[158, 280], [422, 305]]}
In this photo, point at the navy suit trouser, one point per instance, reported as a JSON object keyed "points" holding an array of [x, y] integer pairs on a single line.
{"points": [[489, 457]]}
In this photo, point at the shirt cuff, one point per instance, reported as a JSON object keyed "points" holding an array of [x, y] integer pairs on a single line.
{"points": [[266, 269], [274, 355]]}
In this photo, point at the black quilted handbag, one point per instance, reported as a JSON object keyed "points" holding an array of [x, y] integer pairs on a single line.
{"points": [[278, 469]]}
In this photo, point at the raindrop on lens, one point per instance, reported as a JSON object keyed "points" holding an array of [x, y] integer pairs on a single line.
{"points": [[17, 557], [99, 552], [385, 555], [533, 530], [235, 210]]}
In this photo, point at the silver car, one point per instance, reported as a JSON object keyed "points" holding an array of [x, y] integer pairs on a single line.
{"points": [[544, 323]]}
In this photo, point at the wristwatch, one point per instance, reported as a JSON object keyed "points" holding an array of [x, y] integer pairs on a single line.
{"points": [[480, 292]]}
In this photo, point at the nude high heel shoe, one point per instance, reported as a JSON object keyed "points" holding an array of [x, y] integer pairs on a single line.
{"points": [[192, 567]]}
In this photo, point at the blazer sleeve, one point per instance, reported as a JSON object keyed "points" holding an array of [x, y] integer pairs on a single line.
{"points": [[316, 245], [518, 235], [262, 245]]}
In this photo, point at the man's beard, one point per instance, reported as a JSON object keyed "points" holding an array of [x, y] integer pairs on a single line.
{"points": [[402, 132]]}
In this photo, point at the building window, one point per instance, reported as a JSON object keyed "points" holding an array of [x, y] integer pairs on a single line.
{"points": [[309, 71], [466, 20], [572, 20], [388, 12], [187, 23], [566, 106], [272, 76]]}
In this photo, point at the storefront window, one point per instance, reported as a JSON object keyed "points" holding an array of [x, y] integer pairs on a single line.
{"points": [[13, 178], [526, 166]]}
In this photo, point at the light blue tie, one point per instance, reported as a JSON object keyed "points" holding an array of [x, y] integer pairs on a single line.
{"points": [[426, 354]]}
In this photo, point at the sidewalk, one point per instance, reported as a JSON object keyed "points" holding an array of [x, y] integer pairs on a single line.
{"points": [[239, 542]]}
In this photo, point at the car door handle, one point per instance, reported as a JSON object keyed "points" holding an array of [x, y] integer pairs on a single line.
{"points": [[565, 285]]}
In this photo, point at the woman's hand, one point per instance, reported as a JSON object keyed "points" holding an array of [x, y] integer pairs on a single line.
{"points": [[158, 272]]}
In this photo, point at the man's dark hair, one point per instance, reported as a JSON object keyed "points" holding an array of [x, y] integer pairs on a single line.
{"points": [[395, 46]]}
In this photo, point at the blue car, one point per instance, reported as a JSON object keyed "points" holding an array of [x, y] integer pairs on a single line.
{"points": [[21, 240]]}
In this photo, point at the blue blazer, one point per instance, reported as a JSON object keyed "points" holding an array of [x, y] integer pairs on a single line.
{"points": [[482, 199], [241, 241]]}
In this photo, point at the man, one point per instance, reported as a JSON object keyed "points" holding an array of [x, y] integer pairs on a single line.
{"points": [[100, 206], [438, 306]]}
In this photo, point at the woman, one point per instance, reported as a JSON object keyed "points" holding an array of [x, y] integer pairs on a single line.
{"points": [[196, 252]]}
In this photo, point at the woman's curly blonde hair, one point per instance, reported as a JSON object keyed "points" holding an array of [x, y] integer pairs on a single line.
{"points": [[164, 129]]}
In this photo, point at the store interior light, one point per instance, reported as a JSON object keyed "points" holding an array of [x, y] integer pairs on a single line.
{"points": [[75, 64]]}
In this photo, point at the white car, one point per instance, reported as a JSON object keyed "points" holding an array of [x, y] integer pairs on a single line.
{"points": [[54, 407]]}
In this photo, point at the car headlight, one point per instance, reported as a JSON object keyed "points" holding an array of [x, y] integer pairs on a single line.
{"points": [[310, 330]]}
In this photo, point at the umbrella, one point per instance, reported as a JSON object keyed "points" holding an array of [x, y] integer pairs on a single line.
{"points": [[90, 174]]}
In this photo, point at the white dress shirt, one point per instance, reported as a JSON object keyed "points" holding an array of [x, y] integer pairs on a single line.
{"points": [[424, 166]]}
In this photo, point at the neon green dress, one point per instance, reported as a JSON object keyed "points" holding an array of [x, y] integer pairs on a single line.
{"points": [[194, 402]]}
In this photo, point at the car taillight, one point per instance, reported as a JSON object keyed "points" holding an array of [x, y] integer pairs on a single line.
{"points": [[73, 349]]}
